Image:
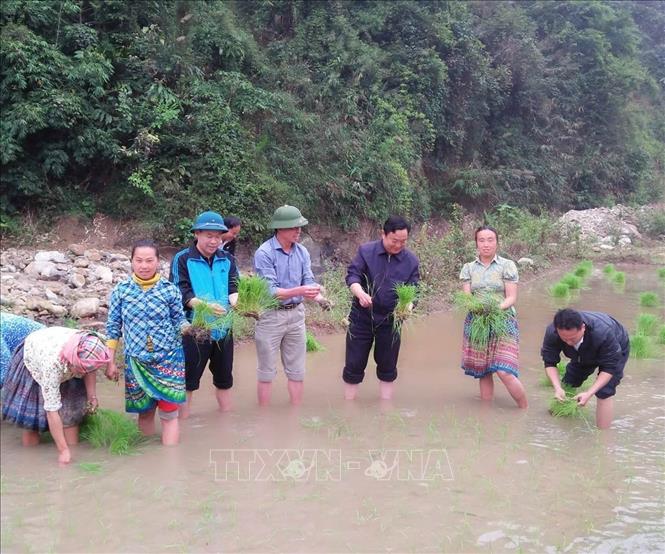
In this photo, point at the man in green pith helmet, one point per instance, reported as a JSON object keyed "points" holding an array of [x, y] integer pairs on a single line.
{"points": [[287, 267]]}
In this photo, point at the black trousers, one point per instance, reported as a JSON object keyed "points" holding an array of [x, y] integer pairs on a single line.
{"points": [[198, 354], [364, 330]]}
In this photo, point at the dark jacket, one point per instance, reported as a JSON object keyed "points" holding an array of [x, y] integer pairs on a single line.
{"points": [[604, 345]]}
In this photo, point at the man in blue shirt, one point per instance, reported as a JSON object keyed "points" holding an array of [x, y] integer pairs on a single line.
{"points": [[287, 267], [372, 275], [205, 273], [591, 340]]}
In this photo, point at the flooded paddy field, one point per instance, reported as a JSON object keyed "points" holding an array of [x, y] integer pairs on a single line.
{"points": [[435, 470]]}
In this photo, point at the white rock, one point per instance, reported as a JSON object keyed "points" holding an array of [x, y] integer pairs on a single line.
{"points": [[51, 256], [525, 261], [77, 249], [77, 280], [81, 262], [625, 241], [50, 295], [606, 240], [39, 268], [86, 307], [93, 255], [104, 274], [607, 247]]}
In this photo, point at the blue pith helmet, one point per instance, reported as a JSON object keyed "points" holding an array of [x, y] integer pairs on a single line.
{"points": [[209, 221]]}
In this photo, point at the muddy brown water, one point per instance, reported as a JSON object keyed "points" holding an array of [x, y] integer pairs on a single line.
{"points": [[434, 471]]}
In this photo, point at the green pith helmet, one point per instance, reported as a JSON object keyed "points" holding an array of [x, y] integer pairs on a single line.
{"points": [[286, 217], [209, 221]]}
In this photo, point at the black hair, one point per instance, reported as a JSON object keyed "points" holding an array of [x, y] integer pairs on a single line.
{"points": [[486, 228], [145, 243], [568, 319], [232, 221], [396, 223]]}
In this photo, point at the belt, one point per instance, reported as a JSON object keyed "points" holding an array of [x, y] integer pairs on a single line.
{"points": [[288, 306]]}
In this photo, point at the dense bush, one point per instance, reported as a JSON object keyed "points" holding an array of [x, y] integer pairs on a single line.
{"points": [[349, 109]]}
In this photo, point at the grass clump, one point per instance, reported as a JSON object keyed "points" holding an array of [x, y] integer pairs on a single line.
{"points": [[112, 430], [660, 338], [640, 347], [254, 297], [619, 278], [661, 273], [406, 296], [646, 325], [583, 269], [560, 290], [648, 300], [573, 281], [489, 320], [609, 270], [313, 345], [566, 408]]}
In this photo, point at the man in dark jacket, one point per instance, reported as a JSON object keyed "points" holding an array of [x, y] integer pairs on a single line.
{"points": [[591, 340]]}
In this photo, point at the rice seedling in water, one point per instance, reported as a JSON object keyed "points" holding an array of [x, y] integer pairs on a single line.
{"points": [[661, 335], [609, 270], [560, 290], [254, 297], [406, 296], [619, 278], [313, 345], [661, 273], [640, 347], [91, 467], [205, 321], [583, 269], [566, 408], [112, 430], [489, 320], [573, 281], [647, 325], [648, 300]]}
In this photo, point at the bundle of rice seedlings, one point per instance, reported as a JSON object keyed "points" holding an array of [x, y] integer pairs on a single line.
{"points": [[489, 320], [406, 296], [112, 430], [640, 347], [254, 297], [583, 269], [205, 321], [313, 345], [648, 300], [609, 270], [545, 380], [646, 325], [573, 281], [660, 338], [560, 290], [566, 408], [619, 278]]}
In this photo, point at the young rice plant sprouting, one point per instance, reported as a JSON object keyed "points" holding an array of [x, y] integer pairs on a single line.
{"points": [[648, 300], [573, 281], [646, 324], [112, 430], [609, 270], [560, 290], [619, 278], [313, 345], [640, 347]]}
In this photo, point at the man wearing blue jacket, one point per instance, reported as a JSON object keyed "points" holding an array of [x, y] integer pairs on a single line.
{"points": [[591, 340], [204, 272]]}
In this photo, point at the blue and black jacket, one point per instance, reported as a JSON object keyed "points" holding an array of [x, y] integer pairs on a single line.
{"points": [[211, 279]]}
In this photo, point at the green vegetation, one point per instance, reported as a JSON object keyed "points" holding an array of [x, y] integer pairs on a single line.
{"points": [[90, 467], [406, 296], [560, 290], [661, 273], [112, 430], [566, 408], [573, 281], [640, 347], [313, 345], [205, 321], [619, 278], [348, 109], [254, 297], [609, 270], [545, 380], [660, 338], [646, 324], [488, 322], [648, 300]]}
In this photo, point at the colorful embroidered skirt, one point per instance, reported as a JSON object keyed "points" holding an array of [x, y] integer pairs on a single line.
{"points": [[23, 403], [499, 354], [163, 378]]}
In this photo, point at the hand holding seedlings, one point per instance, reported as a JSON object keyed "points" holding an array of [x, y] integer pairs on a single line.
{"points": [[364, 298], [582, 398], [310, 292]]}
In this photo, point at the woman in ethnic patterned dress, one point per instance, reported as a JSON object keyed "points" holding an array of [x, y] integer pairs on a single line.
{"points": [[147, 310], [490, 273], [51, 384]]}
